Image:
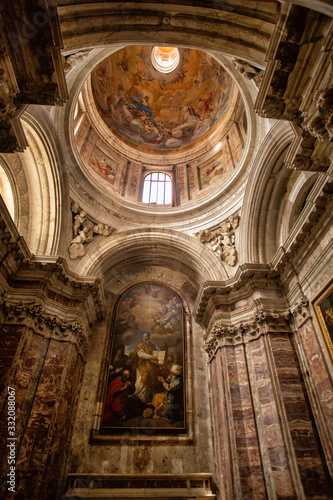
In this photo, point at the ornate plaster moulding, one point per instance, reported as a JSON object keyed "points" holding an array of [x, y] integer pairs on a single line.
{"points": [[247, 279], [223, 334], [301, 311], [59, 287], [85, 229], [47, 322], [222, 240], [261, 304], [120, 210], [298, 92], [14, 250]]}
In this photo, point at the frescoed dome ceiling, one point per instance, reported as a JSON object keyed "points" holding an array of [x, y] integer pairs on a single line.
{"points": [[181, 114], [159, 111]]}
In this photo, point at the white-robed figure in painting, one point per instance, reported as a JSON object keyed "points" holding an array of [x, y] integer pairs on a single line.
{"points": [[146, 369]]}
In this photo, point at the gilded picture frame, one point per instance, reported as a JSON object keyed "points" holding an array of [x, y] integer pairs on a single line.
{"points": [[323, 306]]}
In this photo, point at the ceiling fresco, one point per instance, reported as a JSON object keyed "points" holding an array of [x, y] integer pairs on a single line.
{"points": [[158, 111]]}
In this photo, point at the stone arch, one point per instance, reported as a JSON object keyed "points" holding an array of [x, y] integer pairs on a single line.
{"points": [[295, 203], [9, 187], [233, 30], [262, 198], [40, 161], [166, 248], [37, 184]]}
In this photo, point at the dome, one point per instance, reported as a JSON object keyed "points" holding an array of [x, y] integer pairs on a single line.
{"points": [[163, 109], [159, 111]]}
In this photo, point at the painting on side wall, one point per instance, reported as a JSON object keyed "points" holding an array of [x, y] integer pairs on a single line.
{"points": [[145, 391], [103, 165], [324, 311], [212, 170]]}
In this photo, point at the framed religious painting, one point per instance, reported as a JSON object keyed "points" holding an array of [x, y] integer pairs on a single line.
{"points": [[144, 390], [323, 306]]}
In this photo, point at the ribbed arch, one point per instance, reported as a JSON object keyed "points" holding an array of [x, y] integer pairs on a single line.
{"points": [[263, 192], [41, 164], [238, 30]]}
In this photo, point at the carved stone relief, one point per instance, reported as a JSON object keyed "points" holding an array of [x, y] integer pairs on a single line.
{"points": [[300, 93], [72, 60], [250, 72], [84, 231], [222, 240], [319, 122]]}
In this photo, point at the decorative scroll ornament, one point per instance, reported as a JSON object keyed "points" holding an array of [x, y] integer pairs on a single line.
{"points": [[301, 311], [84, 231], [222, 240]]}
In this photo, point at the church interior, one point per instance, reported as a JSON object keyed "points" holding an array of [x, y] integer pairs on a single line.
{"points": [[166, 276]]}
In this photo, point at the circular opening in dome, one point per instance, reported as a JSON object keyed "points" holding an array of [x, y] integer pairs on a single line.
{"points": [[165, 59]]}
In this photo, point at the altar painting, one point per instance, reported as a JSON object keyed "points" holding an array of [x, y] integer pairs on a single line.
{"points": [[145, 390]]}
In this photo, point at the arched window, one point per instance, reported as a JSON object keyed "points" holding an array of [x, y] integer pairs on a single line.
{"points": [[157, 188]]}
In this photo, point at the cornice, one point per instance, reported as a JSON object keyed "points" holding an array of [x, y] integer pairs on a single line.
{"points": [[53, 272], [34, 316], [261, 323], [247, 279], [19, 266]]}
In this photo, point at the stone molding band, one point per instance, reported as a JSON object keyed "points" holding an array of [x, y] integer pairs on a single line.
{"points": [[260, 324], [34, 316]]}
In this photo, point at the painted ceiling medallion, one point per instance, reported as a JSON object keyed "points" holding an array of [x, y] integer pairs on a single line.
{"points": [[161, 112], [165, 59]]}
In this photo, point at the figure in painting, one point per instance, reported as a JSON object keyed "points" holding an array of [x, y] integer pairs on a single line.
{"points": [[169, 404], [210, 173], [327, 312], [165, 369], [104, 168], [145, 366], [117, 398], [155, 110]]}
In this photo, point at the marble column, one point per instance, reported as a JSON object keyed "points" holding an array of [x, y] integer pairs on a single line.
{"points": [[265, 436], [42, 359], [45, 318], [317, 376]]}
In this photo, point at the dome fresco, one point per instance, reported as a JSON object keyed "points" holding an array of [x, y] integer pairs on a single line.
{"points": [[161, 111]]}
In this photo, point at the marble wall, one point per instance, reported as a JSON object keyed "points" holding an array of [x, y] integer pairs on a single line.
{"points": [[46, 376], [267, 442]]}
